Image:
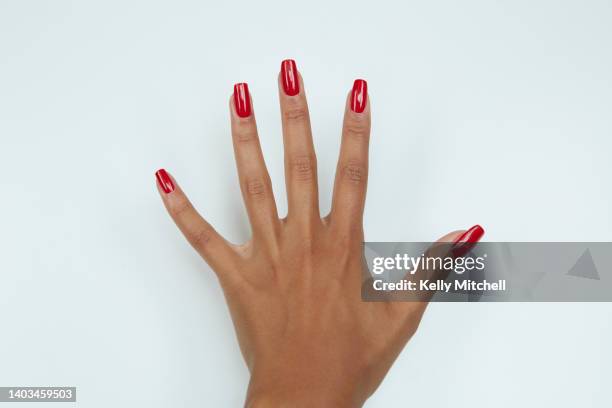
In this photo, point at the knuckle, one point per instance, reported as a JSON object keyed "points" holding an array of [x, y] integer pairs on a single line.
{"points": [[256, 189], [303, 167], [180, 207], [308, 247], [200, 238], [296, 114], [246, 134], [354, 172], [357, 129]]}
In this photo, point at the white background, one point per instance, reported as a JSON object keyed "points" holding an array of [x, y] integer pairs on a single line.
{"points": [[490, 112]]}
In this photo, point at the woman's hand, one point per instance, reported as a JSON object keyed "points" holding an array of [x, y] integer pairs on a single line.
{"points": [[294, 290]]}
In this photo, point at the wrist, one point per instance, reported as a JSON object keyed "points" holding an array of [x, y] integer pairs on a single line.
{"points": [[280, 398], [274, 391]]}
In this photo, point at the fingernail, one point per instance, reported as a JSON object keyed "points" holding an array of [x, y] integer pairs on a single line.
{"points": [[289, 76], [467, 241], [242, 100], [359, 95], [164, 180]]}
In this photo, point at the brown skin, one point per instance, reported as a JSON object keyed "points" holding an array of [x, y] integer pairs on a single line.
{"points": [[294, 290]]}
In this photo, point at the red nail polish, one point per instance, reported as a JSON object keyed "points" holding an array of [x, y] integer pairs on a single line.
{"points": [[242, 100], [467, 241], [289, 77], [164, 180], [359, 95]]}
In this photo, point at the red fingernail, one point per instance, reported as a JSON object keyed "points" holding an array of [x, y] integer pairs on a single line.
{"points": [[359, 96], [164, 180], [242, 100], [467, 241], [289, 76]]}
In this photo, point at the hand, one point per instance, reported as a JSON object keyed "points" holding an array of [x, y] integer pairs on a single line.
{"points": [[294, 290]]}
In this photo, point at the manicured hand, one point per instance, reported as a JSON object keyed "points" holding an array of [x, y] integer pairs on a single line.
{"points": [[294, 290]]}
